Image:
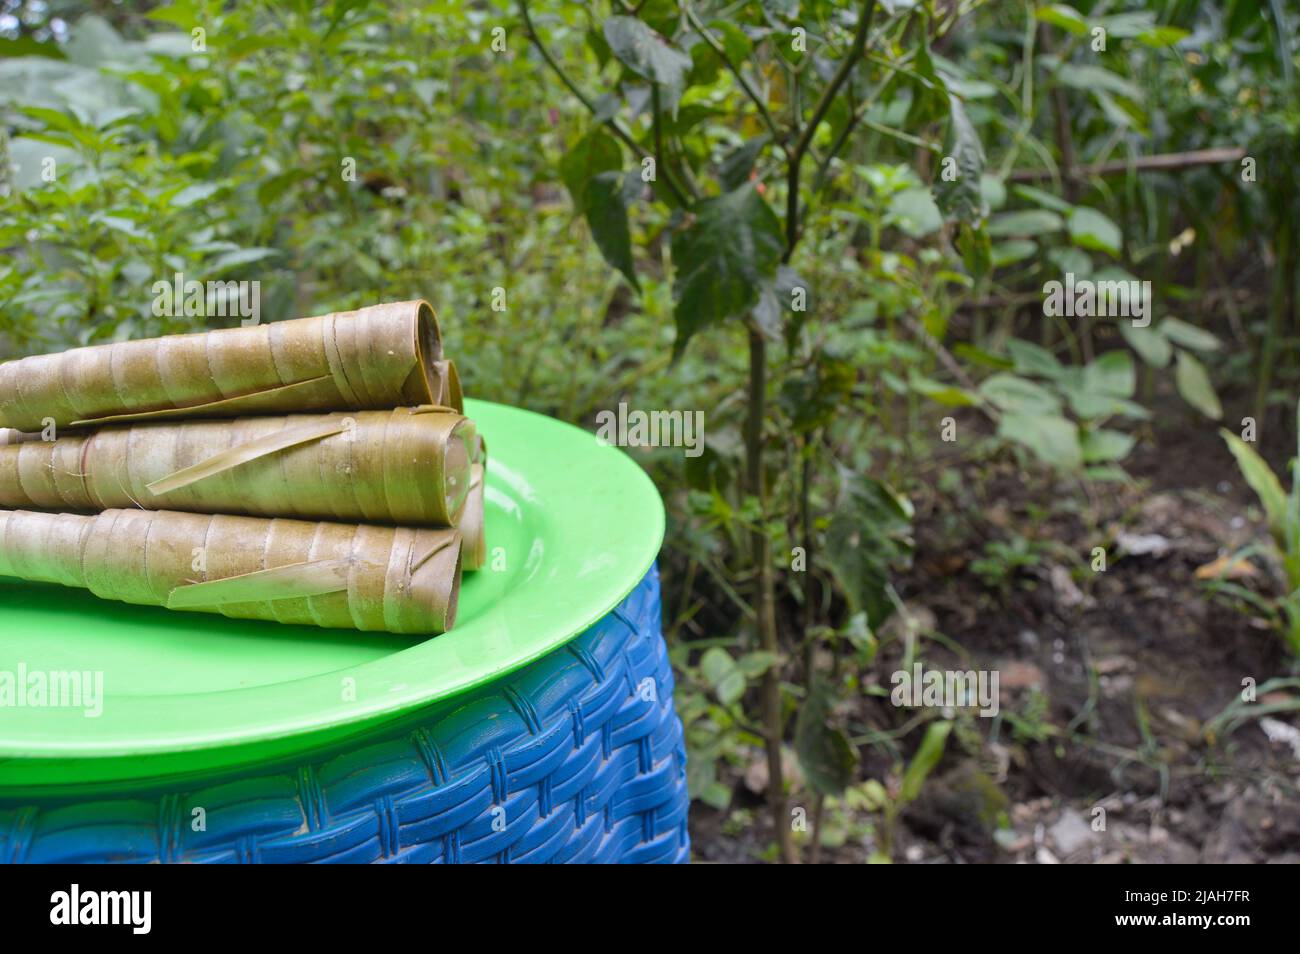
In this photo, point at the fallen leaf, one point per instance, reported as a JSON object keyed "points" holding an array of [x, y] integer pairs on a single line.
{"points": [[1227, 568]]}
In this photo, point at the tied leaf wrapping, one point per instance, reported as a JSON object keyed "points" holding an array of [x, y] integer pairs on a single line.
{"points": [[337, 576], [472, 524], [373, 358], [408, 466]]}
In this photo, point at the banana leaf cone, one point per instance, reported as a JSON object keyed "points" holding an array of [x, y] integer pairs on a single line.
{"points": [[373, 358], [472, 524], [408, 466], [333, 575]]}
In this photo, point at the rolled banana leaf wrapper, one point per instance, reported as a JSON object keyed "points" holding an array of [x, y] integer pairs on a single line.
{"points": [[472, 525], [408, 466], [333, 575], [374, 358]]}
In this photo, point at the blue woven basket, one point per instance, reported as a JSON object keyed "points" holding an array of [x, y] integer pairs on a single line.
{"points": [[578, 757]]}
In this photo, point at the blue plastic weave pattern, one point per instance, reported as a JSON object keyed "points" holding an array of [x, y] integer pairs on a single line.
{"points": [[578, 757]]}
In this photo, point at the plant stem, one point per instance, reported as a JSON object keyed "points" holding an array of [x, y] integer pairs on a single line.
{"points": [[806, 532], [819, 113], [777, 136], [761, 546], [614, 126], [1283, 276], [819, 812], [761, 542]]}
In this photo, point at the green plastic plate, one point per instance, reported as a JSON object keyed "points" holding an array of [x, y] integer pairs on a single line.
{"points": [[578, 524]]}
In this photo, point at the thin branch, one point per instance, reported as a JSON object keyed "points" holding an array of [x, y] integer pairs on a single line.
{"points": [[819, 113], [859, 113], [902, 136], [839, 79], [936, 347], [899, 66], [778, 136], [1167, 160], [613, 124]]}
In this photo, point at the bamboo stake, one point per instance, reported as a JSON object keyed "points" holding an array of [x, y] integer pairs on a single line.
{"points": [[374, 358], [1169, 161], [408, 466], [333, 575]]}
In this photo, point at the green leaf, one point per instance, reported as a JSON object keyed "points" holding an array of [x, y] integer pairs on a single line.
{"points": [[29, 46], [1188, 336], [814, 397], [1162, 36], [1090, 405], [1027, 222], [993, 191], [924, 761], [1091, 79], [1015, 394], [1194, 385], [962, 198], [594, 153], [976, 251], [54, 118], [828, 759], [739, 163], [776, 299], [735, 42], [1112, 375], [1012, 251], [27, 158], [1063, 16], [914, 212], [92, 41], [1053, 438], [191, 194], [929, 92], [1043, 199], [723, 675], [606, 212], [599, 48], [1029, 358], [1067, 258], [869, 534], [1091, 230], [721, 259], [1101, 445], [238, 258], [1151, 346], [946, 394], [649, 55], [1263, 481], [1101, 391], [1127, 25], [756, 663]]}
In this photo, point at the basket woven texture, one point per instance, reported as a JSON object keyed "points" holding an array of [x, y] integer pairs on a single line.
{"points": [[578, 757]]}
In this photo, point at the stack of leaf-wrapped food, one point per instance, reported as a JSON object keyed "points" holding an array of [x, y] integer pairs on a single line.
{"points": [[318, 471]]}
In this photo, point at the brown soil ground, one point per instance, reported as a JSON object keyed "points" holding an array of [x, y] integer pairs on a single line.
{"points": [[1109, 747]]}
